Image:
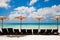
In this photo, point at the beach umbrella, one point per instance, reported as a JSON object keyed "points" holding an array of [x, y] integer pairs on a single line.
{"points": [[57, 18], [20, 18], [2, 18], [39, 18]]}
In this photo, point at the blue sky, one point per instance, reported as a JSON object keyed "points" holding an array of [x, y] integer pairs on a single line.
{"points": [[11, 8]]}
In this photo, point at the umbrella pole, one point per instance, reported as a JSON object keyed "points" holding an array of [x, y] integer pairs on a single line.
{"points": [[57, 24], [2, 23], [20, 25], [39, 26]]}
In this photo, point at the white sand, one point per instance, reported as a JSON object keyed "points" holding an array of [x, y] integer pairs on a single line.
{"points": [[31, 37]]}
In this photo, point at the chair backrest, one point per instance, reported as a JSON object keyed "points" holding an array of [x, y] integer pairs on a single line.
{"points": [[42, 30], [35, 30], [49, 30], [55, 30], [29, 30], [16, 30], [23, 30]]}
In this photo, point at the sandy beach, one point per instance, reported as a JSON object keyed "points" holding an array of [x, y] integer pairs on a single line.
{"points": [[30, 37]]}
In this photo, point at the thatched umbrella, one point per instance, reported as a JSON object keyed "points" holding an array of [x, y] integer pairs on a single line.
{"points": [[20, 18], [2, 18], [39, 18], [57, 18]]}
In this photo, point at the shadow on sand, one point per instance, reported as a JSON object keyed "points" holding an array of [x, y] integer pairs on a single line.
{"points": [[16, 36]]}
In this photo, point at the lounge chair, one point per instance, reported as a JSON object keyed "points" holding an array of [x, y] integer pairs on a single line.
{"points": [[23, 31], [49, 32], [29, 31], [0, 33], [10, 31], [42, 32], [16, 32], [35, 31], [4, 31], [55, 32]]}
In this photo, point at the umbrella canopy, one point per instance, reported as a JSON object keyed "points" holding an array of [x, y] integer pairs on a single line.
{"points": [[2, 18], [57, 18], [39, 17], [20, 17]]}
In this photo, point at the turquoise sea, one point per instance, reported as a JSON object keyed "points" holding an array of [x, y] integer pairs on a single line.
{"points": [[29, 25]]}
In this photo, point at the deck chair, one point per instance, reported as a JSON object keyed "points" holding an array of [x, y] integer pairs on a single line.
{"points": [[23, 31], [4, 31], [42, 32], [55, 32], [10, 31], [29, 31], [49, 32], [16, 32], [35, 31], [0, 33]]}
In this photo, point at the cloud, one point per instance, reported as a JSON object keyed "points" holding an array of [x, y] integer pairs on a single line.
{"points": [[4, 3], [24, 11], [48, 11], [32, 2], [31, 11], [46, 0]]}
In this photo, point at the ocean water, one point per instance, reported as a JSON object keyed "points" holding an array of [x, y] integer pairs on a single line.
{"points": [[30, 25]]}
